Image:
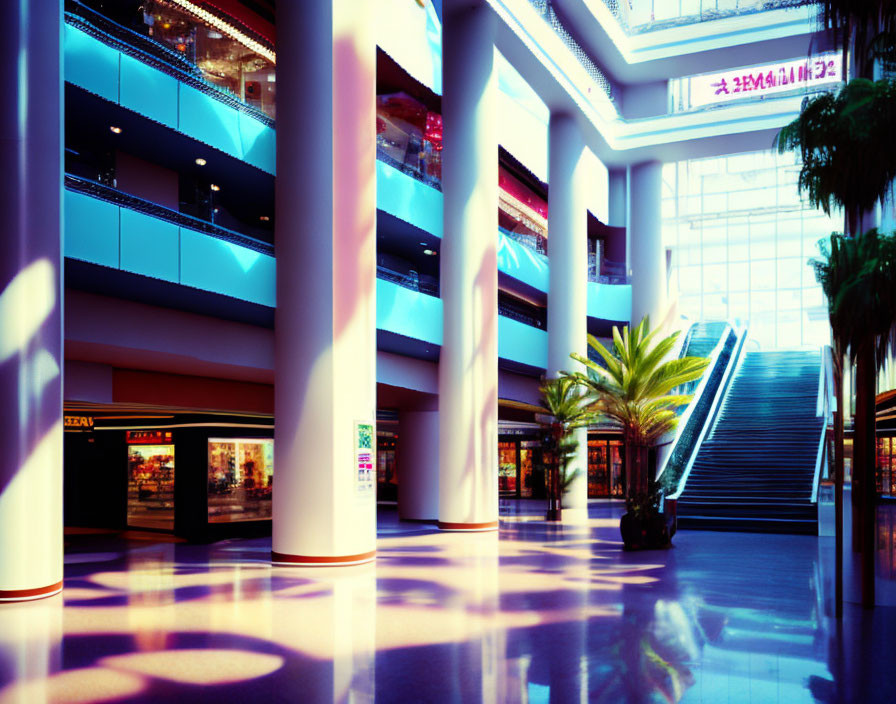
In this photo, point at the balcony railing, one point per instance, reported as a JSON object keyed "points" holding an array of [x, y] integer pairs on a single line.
{"points": [[638, 16], [112, 195], [409, 279], [607, 271], [545, 8], [155, 54]]}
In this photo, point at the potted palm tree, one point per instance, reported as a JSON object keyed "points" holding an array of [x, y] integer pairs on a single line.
{"points": [[634, 388], [565, 409]]}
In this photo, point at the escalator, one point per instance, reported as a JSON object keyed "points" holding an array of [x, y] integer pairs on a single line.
{"points": [[756, 468]]}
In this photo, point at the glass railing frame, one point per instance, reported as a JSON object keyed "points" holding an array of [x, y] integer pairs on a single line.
{"points": [[101, 191], [152, 53]]}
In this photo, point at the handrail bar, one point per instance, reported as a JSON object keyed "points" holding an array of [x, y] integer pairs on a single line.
{"points": [[712, 416], [823, 408], [101, 191]]}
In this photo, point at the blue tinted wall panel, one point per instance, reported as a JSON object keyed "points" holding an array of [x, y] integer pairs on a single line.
{"points": [[149, 246], [609, 301], [91, 229], [409, 313], [407, 198], [215, 265], [522, 263], [91, 64], [208, 120], [148, 91], [518, 342], [257, 143]]}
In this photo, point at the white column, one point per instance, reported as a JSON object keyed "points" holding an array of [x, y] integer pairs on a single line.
{"points": [[325, 329], [617, 198], [418, 465], [646, 253], [468, 367], [31, 302], [568, 291]]}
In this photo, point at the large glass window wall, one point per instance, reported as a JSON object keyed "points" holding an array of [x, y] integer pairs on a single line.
{"points": [[741, 239]]}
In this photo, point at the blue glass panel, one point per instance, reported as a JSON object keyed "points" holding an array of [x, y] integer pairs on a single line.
{"points": [[149, 246], [91, 229], [215, 265], [208, 120], [522, 263], [609, 301], [407, 198], [522, 343], [148, 91], [409, 313], [91, 64], [257, 143]]}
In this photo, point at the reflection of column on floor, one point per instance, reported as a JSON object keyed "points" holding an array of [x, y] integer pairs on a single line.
{"points": [[560, 661], [31, 302], [31, 650], [418, 465], [468, 366], [151, 593], [478, 609], [324, 498], [331, 623]]}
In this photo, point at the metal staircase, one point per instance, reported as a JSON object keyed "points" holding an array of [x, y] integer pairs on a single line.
{"points": [[758, 467]]}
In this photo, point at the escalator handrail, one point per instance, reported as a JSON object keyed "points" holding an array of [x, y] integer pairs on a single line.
{"points": [[682, 351], [713, 414]]}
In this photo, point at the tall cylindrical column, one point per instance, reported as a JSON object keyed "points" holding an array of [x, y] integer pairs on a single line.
{"points": [[324, 508], [568, 288], [31, 302], [646, 253], [468, 367], [418, 465]]}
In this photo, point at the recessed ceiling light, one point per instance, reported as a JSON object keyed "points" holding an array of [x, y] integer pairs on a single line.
{"points": [[264, 218], [215, 188], [115, 129], [200, 161], [430, 252]]}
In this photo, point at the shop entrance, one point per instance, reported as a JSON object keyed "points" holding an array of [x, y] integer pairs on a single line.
{"points": [[150, 502], [606, 468], [521, 468]]}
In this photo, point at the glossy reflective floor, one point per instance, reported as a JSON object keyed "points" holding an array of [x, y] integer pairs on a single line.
{"points": [[535, 613]]}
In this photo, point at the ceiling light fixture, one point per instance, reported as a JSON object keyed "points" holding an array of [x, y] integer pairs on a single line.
{"points": [[200, 161], [228, 29], [115, 129], [215, 187]]}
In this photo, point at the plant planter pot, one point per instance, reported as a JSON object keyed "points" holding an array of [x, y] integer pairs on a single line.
{"points": [[651, 533]]}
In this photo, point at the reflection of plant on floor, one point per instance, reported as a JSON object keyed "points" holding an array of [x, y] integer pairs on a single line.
{"points": [[652, 656]]}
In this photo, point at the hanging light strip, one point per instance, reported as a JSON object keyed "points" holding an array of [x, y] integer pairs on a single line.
{"points": [[228, 29]]}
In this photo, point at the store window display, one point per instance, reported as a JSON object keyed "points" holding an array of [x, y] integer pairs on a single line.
{"points": [[240, 479]]}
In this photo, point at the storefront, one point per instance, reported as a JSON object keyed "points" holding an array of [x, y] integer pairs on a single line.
{"points": [[521, 467], [606, 466], [198, 476]]}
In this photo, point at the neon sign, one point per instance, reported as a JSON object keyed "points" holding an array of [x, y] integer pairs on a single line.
{"points": [[765, 80]]}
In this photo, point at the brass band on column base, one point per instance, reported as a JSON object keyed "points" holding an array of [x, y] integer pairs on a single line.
{"points": [[321, 560], [30, 594], [491, 525]]}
